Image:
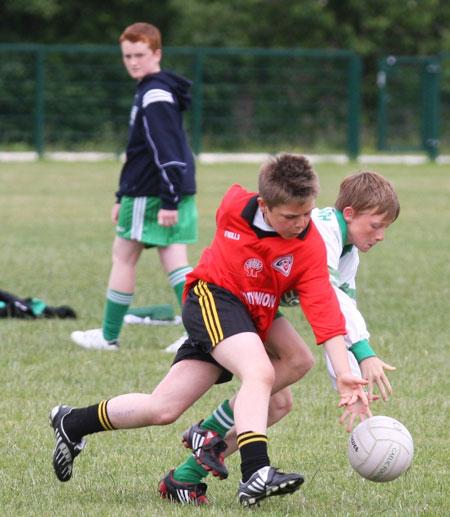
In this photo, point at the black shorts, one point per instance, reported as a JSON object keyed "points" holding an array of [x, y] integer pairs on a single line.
{"points": [[210, 315], [188, 351]]}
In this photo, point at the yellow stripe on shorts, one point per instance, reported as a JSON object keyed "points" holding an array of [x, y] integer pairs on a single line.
{"points": [[103, 417], [209, 312]]}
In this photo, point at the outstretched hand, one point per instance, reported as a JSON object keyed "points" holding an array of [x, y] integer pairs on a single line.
{"points": [[372, 369], [353, 397], [350, 389], [356, 410]]}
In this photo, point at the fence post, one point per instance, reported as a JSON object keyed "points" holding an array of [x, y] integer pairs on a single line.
{"points": [[430, 105], [40, 106], [197, 104], [354, 106], [382, 100]]}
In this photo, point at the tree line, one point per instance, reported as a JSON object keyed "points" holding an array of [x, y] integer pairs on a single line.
{"points": [[369, 28]]}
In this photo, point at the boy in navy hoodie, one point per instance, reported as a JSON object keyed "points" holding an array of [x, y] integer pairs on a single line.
{"points": [[155, 204]]}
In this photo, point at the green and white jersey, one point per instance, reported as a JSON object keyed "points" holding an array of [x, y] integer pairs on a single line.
{"points": [[343, 261]]}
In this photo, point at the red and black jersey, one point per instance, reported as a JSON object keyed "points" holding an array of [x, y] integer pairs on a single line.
{"points": [[258, 266]]}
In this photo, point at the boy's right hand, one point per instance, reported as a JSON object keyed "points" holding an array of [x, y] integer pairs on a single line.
{"points": [[372, 369], [115, 213]]}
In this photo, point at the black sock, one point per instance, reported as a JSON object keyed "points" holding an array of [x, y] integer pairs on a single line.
{"points": [[82, 421], [253, 449]]}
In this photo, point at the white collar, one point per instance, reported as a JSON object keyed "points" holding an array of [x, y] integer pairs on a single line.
{"points": [[260, 222]]}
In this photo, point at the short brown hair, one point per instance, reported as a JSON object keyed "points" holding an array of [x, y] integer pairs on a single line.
{"points": [[143, 32], [287, 177], [368, 191]]}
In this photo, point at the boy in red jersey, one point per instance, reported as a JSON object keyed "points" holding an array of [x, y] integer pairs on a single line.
{"points": [[366, 205], [265, 245]]}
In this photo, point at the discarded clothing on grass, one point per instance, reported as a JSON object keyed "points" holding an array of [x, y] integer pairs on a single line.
{"points": [[11, 306], [152, 315]]}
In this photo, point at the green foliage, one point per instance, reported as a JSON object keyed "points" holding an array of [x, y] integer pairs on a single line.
{"points": [[414, 27], [55, 245], [370, 29], [252, 23], [47, 21]]}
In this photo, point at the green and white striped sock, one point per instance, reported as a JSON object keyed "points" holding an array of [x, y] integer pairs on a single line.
{"points": [[177, 279], [221, 421], [117, 304]]}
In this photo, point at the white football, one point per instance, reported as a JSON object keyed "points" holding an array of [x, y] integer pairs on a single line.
{"points": [[380, 448]]}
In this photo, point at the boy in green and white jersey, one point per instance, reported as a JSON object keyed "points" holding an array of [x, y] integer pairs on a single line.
{"points": [[367, 204]]}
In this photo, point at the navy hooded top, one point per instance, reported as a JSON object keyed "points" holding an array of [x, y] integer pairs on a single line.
{"points": [[159, 161]]}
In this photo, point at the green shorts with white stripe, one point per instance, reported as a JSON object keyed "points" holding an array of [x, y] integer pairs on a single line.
{"points": [[138, 220]]}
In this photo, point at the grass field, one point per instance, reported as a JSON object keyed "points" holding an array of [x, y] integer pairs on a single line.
{"points": [[55, 245]]}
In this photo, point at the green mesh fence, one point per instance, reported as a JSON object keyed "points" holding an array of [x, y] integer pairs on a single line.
{"points": [[18, 73], [77, 98], [63, 99], [444, 104], [412, 92]]}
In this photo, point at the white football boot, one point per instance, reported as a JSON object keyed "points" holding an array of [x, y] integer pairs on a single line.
{"points": [[93, 339]]}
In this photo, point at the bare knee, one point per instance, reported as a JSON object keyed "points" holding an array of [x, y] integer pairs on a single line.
{"points": [[287, 347], [269, 376], [265, 376], [166, 416], [307, 363], [262, 374], [301, 363], [126, 252], [280, 405]]}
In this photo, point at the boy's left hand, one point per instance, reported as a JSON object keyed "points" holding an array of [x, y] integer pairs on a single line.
{"points": [[352, 394], [372, 369], [350, 388]]}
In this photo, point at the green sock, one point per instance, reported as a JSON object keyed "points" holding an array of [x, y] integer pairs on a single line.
{"points": [[190, 472], [177, 279], [117, 304], [221, 420]]}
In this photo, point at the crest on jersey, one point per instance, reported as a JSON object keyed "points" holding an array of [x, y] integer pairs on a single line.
{"points": [[253, 266], [283, 264]]}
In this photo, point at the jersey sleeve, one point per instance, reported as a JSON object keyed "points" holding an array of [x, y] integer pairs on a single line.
{"points": [[164, 139], [318, 298], [354, 321], [356, 339], [329, 230]]}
